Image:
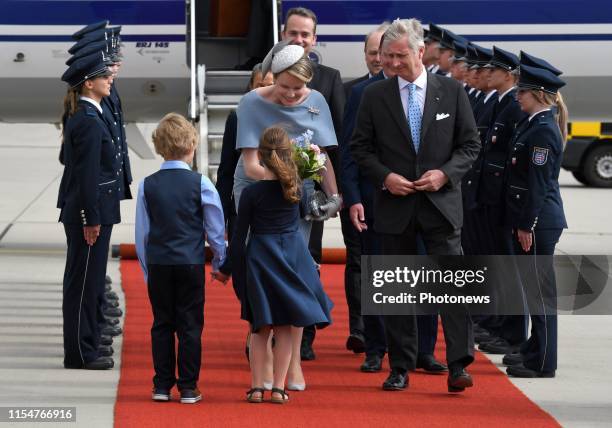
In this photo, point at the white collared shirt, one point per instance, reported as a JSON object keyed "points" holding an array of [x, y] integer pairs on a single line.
{"points": [[94, 102], [504, 94], [421, 88], [489, 95], [538, 112]]}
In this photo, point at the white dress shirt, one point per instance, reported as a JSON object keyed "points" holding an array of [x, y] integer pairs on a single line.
{"points": [[94, 102], [421, 88]]}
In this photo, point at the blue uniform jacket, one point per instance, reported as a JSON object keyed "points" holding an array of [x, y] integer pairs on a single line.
{"points": [[483, 113], [496, 149], [356, 187], [532, 195], [90, 189], [113, 113]]}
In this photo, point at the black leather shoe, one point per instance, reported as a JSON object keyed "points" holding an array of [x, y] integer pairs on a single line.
{"points": [[113, 312], [430, 364], [484, 337], [356, 343], [106, 340], [112, 303], [111, 331], [512, 359], [372, 364], [105, 351], [111, 295], [112, 321], [101, 363], [520, 370], [396, 381], [498, 347], [458, 380], [108, 280], [306, 352]]}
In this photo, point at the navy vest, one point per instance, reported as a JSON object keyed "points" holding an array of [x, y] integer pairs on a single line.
{"points": [[174, 204]]}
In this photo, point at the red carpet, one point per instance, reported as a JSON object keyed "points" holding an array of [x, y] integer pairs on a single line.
{"points": [[338, 393]]}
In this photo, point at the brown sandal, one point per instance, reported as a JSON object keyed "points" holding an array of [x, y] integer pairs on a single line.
{"points": [[251, 398], [277, 400]]}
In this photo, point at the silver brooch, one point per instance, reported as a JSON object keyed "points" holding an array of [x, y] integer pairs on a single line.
{"points": [[313, 110]]}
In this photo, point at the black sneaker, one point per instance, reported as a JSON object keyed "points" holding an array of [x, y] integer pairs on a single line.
{"points": [[111, 331], [190, 396], [160, 394], [106, 340]]}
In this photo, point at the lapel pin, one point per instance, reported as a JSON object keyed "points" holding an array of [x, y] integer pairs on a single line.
{"points": [[313, 110]]}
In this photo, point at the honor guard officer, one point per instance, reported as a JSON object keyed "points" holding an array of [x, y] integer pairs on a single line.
{"points": [[89, 203], [99, 40], [534, 212], [459, 65], [432, 47], [483, 111], [431, 55], [506, 331]]}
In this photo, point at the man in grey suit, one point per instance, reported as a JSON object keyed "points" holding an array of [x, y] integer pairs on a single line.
{"points": [[415, 138]]}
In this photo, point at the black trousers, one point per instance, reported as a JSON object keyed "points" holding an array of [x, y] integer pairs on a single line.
{"points": [[494, 240], [439, 238], [83, 288], [352, 272], [176, 293], [373, 325]]}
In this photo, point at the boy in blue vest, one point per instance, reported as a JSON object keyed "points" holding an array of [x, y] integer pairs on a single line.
{"points": [[176, 209]]}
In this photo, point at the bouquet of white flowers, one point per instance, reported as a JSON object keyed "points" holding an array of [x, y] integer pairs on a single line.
{"points": [[308, 157]]}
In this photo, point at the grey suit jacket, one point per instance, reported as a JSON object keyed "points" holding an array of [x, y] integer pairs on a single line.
{"points": [[382, 144]]}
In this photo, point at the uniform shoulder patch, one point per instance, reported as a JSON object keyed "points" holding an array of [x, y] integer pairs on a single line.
{"points": [[540, 156]]}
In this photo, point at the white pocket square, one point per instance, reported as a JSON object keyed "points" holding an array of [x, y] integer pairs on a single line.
{"points": [[440, 116]]}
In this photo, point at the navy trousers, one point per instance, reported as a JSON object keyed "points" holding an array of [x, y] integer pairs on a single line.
{"points": [[538, 279], [83, 289]]}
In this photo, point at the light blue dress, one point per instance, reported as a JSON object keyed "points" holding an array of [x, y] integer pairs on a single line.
{"points": [[255, 114]]}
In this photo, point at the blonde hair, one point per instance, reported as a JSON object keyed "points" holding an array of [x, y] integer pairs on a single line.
{"points": [[174, 137], [562, 114], [276, 154], [302, 70]]}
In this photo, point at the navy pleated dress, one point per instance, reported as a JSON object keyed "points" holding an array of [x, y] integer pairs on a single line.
{"points": [[273, 273]]}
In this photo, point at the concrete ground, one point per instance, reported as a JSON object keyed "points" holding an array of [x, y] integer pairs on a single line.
{"points": [[32, 256]]}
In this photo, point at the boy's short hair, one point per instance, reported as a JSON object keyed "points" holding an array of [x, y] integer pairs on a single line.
{"points": [[174, 136]]}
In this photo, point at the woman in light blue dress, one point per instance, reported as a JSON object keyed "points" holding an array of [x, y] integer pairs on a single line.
{"points": [[291, 104]]}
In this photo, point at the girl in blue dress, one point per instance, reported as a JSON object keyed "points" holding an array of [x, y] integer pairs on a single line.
{"points": [[282, 292]]}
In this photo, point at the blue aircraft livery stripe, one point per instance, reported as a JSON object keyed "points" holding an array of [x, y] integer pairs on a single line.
{"points": [[78, 12], [458, 12], [124, 38]]}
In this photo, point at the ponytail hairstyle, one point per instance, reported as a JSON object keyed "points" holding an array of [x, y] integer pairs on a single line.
{"points": [[276, 154], [71, 101], [561, 115]]}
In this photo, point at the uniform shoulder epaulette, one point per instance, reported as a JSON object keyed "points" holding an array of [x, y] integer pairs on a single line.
{"points": [[90, 111]]}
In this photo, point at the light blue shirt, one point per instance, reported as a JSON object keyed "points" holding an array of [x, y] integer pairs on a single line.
{"points": [[421, 89], [213, 226]]}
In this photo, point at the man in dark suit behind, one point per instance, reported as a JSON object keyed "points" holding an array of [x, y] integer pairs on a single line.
{"points": [[415, 138], [352, 240], [300, 27]]}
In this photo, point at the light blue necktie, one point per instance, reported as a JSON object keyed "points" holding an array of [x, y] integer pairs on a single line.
{"points": [[414, 116]]}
